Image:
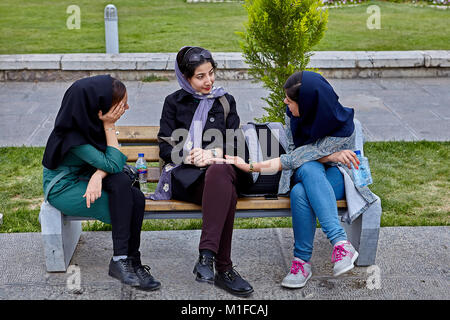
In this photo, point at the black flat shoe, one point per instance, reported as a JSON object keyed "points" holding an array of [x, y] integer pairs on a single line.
{"points": [[146, 281], [123, 271], [232, 282], [204, 269]]}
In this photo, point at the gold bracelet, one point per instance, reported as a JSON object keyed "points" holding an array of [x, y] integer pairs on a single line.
{"points": [[251, 167]]}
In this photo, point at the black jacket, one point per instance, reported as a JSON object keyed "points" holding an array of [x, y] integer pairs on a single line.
{"points": [[178, 111]]}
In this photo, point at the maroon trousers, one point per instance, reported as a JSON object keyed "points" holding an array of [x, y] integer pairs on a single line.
{"points": [[216, 193]]}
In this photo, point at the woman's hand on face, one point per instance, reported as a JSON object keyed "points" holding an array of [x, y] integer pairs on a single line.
{"points": [[113, 114], [346, 157], [93, 190]]}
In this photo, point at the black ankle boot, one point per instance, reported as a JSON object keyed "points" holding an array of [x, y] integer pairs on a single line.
{"points": [[232, 282], [146, 281], [204, 268], [123, 271]]}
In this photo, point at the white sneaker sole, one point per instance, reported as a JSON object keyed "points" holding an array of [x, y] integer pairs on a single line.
{"points": [[296, 286], [350, 267]]}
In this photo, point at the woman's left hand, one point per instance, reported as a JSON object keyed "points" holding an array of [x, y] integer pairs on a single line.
{"points": [[346, 157], [93, 190], [200, 157]]}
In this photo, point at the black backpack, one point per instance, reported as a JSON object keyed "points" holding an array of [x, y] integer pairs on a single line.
{"points": [[263, 143]]}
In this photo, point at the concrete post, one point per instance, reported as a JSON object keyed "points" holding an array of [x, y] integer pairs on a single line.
{"points": [[59, 236], [111, 29]]}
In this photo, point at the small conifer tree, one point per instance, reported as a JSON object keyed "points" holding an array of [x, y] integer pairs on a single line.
{"points": [[277, 42]]}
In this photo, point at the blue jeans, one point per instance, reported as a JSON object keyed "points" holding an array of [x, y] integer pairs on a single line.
{"points": [[316, 189]]}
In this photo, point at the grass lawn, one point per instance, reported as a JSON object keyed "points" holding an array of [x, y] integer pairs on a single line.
{"points": [[411, 178], [39, 26]]}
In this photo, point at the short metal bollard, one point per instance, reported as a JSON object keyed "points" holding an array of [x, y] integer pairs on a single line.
{"points": [[1, 219], [111, 29]]}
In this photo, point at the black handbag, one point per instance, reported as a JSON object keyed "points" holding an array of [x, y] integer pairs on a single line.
{"points": [[265, 185], [132, 173]]}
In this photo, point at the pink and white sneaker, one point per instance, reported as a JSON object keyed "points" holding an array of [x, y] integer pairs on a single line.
{"points": [[299, 274], [344, 255]]}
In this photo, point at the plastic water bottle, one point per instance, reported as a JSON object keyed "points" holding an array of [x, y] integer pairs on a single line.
{"points": [[141, 166], [362, 176]]}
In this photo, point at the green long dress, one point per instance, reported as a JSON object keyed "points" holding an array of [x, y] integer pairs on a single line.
{"points": [[67, 194]]}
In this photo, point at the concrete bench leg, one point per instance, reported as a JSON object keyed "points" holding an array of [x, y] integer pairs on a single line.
{"points": [[363, 233], [60, 237]]}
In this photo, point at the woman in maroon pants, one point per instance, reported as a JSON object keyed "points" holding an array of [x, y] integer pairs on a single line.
{"points": [[189, 174]]}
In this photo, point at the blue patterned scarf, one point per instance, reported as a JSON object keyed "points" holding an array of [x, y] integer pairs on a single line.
{"points": [[321, 113]]}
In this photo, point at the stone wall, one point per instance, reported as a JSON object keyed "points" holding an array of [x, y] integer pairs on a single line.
{"points": [[231, 65]]}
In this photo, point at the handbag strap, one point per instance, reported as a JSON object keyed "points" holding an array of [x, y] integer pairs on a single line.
{"points": [[226, 108], [65, 171]]}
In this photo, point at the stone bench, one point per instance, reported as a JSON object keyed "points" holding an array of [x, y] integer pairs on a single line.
{"points": [[60, 233]]}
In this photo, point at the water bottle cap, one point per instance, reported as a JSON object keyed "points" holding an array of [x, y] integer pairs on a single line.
{"points": [[140, 154], [358, 152]]}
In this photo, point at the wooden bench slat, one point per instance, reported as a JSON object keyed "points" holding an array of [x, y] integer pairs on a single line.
{"points": [[146, 135], [251, 203], [137, 134], [153, 174], [151, 153]]}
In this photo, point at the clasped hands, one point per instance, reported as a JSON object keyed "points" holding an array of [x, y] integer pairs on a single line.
{"points": [[201, 157], [344, 157]]}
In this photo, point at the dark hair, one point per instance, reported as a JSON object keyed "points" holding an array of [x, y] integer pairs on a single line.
{"points": [[292, 86], [118, 91], [186, 67]]}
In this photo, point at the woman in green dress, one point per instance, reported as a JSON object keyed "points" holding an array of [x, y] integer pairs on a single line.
{"points": [[83, 176]]}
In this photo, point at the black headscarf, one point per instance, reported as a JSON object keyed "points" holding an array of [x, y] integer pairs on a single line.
{"points": [[77, 121], [321, 114]]}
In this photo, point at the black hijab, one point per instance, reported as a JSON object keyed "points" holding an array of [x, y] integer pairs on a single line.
{"points": [[321, 114], [77, 121]]}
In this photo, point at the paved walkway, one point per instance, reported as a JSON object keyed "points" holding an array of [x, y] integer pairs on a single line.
{"points": [[412, 263], [389, 108]]}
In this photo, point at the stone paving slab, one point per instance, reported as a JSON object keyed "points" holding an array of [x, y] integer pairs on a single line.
{"points": [[412, 263], [389, 109]]}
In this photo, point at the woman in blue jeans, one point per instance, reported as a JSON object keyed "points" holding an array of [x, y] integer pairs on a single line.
{"points": [[321, 136]]}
